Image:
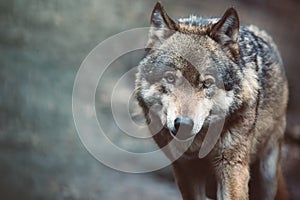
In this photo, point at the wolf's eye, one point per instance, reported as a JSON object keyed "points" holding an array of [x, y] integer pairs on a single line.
{"points": [[169, 76], [208, 82]]}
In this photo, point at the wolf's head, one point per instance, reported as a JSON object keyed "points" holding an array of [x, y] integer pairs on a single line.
{"points": [[190, 75]]}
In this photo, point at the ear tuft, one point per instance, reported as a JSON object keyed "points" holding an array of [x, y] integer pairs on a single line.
{"points": [[226, 31], [162, 26]]}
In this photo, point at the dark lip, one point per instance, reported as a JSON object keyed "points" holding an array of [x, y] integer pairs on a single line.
{"points": [[180, 140]]}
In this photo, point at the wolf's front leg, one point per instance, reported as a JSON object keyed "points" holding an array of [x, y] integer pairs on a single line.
{"points": [[233, 183], [232, 180]]}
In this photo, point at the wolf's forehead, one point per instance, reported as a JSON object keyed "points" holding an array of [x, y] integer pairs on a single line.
{"points": [[189, 46], [181, 57], [191, 70]]}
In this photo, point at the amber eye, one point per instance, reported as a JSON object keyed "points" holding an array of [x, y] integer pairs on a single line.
{"points": [[169, 76], [208, 82]]}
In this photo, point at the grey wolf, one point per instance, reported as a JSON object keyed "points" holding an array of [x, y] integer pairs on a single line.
{"points": [[198, 70]]}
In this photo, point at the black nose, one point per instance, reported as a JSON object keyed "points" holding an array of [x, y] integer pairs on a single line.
{"points": [[183, 127]]}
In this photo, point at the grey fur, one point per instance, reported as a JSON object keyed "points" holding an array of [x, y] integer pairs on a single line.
{"points": [[218, 68]]}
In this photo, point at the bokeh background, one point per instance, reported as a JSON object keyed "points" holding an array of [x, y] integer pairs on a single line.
{"points": [[42, 44]]}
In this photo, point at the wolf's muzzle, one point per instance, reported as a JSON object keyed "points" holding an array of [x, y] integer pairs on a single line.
{"points": [[183, 127]]}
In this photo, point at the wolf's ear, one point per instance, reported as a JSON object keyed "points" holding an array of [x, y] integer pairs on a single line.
{"points": [[226, 31], [162, 26]]}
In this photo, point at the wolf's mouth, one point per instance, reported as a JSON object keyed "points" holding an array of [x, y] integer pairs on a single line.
{"points": [[182, 137]]}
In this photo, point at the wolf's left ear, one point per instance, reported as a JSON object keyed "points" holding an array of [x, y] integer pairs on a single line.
{"points": [[226, 31], [162, 26]]}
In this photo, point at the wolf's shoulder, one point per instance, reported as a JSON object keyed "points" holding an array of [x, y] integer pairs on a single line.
{"points": [[254, 41]]}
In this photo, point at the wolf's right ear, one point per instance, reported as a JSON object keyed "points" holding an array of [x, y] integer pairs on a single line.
{"points": [[162, 26]]}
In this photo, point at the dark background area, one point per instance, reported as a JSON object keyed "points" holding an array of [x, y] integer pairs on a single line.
{"points": [[42, 44]]}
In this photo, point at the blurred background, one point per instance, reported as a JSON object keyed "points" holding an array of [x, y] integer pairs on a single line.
{"points": [[43, 43]]}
